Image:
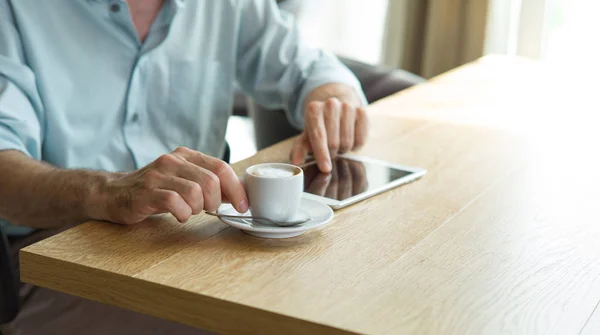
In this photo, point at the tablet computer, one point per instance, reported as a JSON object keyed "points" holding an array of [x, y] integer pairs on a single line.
{"points": [[354, 178]]}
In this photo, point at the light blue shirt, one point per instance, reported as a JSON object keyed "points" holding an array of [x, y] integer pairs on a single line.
{"points": [[79, 90]]}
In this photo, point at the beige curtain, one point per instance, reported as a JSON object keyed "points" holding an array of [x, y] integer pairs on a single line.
{"points": [[429, 37]]}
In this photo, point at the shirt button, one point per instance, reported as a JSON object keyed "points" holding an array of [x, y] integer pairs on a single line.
{"points": [[115, 8], [135, 118]]}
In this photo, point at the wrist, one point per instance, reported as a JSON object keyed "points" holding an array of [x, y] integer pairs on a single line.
{"points": [[97, 200]]}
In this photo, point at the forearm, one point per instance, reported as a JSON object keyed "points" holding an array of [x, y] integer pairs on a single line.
{"points": [[38, 195]]}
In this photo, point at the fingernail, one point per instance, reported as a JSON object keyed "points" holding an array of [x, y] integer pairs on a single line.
{"points": [[243, 206], [327, 165]]}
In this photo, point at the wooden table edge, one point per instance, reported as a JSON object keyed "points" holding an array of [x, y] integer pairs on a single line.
{"points": [[218, 315]]}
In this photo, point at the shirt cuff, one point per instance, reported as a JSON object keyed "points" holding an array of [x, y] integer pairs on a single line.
{"points": [[19, 123], [12, 230]]}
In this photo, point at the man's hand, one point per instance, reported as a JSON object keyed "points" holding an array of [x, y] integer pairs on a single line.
{"points": [[183, 183], [335, 123]]}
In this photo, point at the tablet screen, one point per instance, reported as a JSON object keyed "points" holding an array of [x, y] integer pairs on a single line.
{"points": [[348, 178]]}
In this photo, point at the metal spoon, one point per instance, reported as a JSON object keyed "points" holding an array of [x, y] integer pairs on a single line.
{"points": [[277, 223]]}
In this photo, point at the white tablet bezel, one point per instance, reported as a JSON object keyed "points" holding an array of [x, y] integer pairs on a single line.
{"points": [[415, 173]]}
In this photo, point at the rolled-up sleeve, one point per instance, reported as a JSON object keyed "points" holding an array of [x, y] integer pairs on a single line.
{"points": [[20, 104], [276, 67]]}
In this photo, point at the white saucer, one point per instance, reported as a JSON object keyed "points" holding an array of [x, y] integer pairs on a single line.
{"points": [[320, 213]]}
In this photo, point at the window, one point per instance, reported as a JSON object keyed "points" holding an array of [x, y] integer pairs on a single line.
{"points": [[571, 40], [349, 28], [563, 33]]}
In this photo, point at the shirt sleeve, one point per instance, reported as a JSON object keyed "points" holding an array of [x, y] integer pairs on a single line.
{"points": [[20, 104], [276, 67]]}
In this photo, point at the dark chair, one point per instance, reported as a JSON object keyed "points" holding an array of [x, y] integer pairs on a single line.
{"points": [[9, 296]]}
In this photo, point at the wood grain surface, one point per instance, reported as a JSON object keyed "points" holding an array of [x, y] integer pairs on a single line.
{"points": [[592, 326], [500, 237]]}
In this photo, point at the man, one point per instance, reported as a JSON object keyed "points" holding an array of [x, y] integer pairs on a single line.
{"points": [[116, 110]]}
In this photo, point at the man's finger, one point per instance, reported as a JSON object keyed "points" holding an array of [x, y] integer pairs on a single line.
{"points": [[224, 198], [209, 182], [347, 122], [317, 134], [211, 188], [361, 128], [189, 190], [170, 201], [331, 116], [230, 185]]}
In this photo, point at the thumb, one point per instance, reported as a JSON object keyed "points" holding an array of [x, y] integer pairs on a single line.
{"points": [[224, 198]]}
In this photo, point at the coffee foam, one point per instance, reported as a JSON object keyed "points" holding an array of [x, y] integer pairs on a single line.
{"points": [[273, 172]]}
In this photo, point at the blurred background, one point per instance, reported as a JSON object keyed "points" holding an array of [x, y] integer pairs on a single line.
{"points": [[429, 37]]}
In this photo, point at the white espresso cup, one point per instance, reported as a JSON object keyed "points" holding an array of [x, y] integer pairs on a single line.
{"points": [[274, 190]]}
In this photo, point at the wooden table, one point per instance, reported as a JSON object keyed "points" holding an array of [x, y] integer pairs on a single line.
{"points": [[501, 236]]}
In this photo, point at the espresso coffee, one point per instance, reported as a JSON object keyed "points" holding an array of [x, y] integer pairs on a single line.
{"points": [[274, 172], [274, 190]]}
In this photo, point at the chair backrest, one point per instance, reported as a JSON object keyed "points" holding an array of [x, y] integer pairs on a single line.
{"points": [[9, 296]]}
